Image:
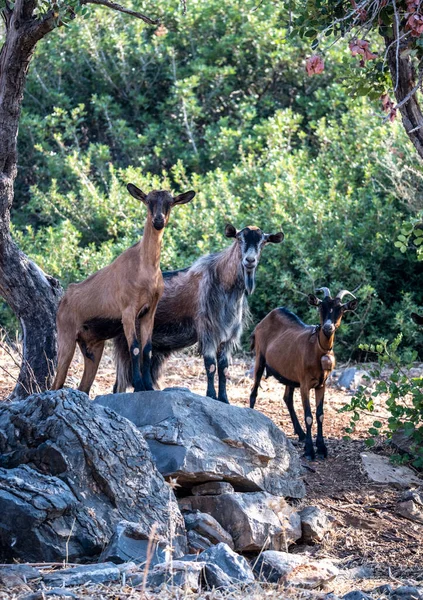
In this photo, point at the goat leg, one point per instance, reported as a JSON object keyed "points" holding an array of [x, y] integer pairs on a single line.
{"points": [[92, 356], [146, 332], [128, 322], [322, 451], [258, 374], [289, 401], [210, 366], [308, 448], [222, 368], [66, 344]]}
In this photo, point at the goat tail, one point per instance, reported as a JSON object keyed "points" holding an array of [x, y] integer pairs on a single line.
{"points": [[252, 341], [123, 365]]}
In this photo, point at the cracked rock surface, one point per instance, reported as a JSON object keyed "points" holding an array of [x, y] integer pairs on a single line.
{"points": [[70, 471]]}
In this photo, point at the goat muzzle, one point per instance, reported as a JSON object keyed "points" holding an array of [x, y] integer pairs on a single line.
{"points": [[158, 224], [328, 329]]}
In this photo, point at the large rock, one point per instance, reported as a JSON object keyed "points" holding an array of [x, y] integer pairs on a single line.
{"points": [[297, 570], [197, 439], [87, 469], [253, 519]]}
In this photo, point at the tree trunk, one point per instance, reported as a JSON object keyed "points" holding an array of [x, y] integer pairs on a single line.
{"points": [[31, 294], [404, 82]]}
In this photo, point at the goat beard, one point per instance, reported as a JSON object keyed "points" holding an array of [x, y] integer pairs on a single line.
{"points": [[249, 281]]}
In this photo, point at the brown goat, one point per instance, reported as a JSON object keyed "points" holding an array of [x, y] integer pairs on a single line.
{"points": [[300, 355], [129, 288]]}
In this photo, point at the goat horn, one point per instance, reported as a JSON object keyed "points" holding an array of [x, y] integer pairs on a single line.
{"points": [[343, 293], [325, 290]]}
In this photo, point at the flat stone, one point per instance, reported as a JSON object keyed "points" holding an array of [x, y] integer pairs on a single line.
{"points": [[208, 527], [233, 565], [183, 574], [380, 470], [315, 523], [17, 575], [130, 542], [99, 573], [212, 488], [253, 519], [296, 570], [197, 440]]}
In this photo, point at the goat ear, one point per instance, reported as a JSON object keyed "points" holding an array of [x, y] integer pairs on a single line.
{"points": [[184, 198], [351, 305], [274, 238], [417, 318], [313, 300], [136, 192], [230, 231]]}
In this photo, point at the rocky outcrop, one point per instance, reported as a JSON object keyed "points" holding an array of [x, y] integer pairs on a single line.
{"points": [[197, 439], [70, 472]]}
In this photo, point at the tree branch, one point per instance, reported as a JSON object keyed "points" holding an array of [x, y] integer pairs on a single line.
{"points": [[122, 9]]}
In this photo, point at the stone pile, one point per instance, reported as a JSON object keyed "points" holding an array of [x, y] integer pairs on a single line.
{"points": [[94, 482]]}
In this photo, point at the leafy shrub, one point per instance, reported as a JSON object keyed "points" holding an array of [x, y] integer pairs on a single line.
{"points": [[402, 396]]}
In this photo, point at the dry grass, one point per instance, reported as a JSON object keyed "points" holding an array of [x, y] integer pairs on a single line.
{"points": [[367, 529]]}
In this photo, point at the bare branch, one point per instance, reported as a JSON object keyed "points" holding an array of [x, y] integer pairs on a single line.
{"points": [[122, 9], [397, 36]]}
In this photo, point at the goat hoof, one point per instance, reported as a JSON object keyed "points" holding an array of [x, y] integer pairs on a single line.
{"points": [[224, 400], [322, 453], [309, 455]]}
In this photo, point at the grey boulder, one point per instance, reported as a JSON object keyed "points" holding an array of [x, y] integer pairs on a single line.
{"points": [[196, 440], [85, 469], [253, 519]]}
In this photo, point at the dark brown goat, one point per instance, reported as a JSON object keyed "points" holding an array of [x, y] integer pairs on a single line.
{"points": [[300, 355], [129, 288]]}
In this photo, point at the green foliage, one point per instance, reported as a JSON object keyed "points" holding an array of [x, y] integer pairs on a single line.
{"points": [[218, 101], [401, 393]]}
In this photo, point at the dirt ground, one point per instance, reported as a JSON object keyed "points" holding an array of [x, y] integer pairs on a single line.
{"points": [[367, 529]]}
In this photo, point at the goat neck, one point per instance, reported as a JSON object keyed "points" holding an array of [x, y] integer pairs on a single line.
{"points": [[325, 343], [151, 243], [229, 267]]}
